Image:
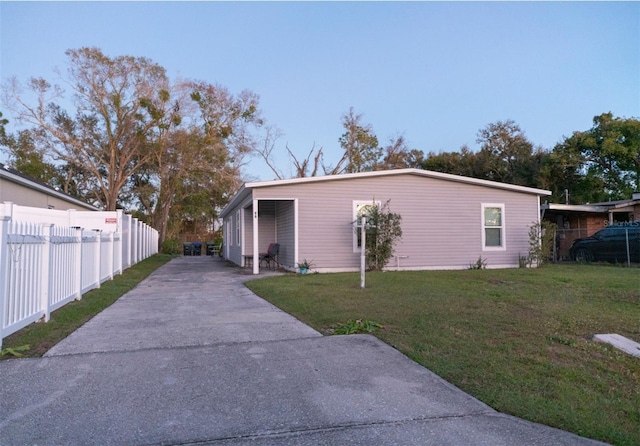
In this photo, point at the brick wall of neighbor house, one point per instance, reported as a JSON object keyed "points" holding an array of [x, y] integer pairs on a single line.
{"points": [[573, 227], [441, 220]]}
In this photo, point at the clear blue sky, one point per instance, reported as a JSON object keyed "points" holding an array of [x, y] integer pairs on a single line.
{"points": [[435, 72]]}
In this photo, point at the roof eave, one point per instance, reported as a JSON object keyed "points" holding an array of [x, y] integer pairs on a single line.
{"points": [[575, 207], [411, 171], [43, 188]]}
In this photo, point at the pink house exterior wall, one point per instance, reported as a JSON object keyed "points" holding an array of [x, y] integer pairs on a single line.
{"points": [[441, 220]]}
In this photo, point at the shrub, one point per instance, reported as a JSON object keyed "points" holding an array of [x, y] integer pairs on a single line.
{"points": [[171, 246], [383, 232], [541, 240]]}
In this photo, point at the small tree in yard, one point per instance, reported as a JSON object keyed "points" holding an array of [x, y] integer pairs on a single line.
{"points": [[383, 232], [541, 240]]}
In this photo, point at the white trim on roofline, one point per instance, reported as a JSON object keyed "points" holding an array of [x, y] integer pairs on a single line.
{"points": [[246, 188], [574, 207]]}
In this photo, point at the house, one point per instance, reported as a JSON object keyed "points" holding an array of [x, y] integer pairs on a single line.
{"points": [[25, 191], [583, 220], [448, 221]]}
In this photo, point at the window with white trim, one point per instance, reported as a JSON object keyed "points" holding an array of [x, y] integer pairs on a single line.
{"points": [[227, 231], [237, 228], [493, 227], [360, 209]]}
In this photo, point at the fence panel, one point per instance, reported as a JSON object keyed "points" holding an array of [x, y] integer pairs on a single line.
{"points": [[126, 241], [24, 249], [65, 280], [90, 260], [39, 215], [106, 256], [117, 253], [47, 259]]}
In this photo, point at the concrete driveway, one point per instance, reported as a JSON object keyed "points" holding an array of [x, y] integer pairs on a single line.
{"points": [[190, 356]]}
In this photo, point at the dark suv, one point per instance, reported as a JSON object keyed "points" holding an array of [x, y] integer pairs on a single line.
{"points": [[609, 244]]}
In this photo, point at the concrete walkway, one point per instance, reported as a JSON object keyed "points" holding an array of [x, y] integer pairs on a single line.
{"points": [[190, 356]]}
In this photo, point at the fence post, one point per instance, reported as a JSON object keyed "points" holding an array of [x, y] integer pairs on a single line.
{"points": [[5, 221], [78, 263], [45, 271], [127, 242], [111, 249], [96, 257], [134, 241]]}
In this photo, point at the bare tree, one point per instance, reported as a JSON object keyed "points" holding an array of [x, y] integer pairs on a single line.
{"points": [[302, 166], [306, 167], [116, 101], [398, 155]]}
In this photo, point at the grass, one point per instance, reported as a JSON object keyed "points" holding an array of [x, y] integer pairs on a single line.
{"points": [[520, 340], [40, 337]]}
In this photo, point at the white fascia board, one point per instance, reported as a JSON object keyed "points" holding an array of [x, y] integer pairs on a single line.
{"points": [[574, 207]]}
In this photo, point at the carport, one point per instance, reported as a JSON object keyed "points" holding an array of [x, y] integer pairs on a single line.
{"points": [[260, 222]]}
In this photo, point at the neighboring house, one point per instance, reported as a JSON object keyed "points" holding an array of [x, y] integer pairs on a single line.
{"points": [[25, 191], [583, 220], [448, 221]]}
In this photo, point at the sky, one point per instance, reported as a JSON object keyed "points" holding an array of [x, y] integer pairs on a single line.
{"points": [[435, 72]]}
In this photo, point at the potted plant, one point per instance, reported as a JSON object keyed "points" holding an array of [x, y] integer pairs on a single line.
{"points": [[305, 266]]}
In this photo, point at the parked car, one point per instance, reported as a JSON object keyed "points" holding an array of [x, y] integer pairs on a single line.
{"points": [[609, 244]]}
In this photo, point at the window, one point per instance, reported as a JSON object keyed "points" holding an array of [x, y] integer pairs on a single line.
{"points": [[237, 228], [360, 209], [493, 227]]}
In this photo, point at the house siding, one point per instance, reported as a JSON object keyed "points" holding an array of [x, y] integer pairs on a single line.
{"points": [[285, 211], [25, 196], [235, 250], [441, 220], [266, 226]]}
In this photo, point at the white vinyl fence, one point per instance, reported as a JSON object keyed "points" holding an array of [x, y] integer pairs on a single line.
{"points": [[49, 258]]}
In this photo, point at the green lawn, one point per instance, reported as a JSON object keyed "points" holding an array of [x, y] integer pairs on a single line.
{"points": [[519, 339], [40, 337]]}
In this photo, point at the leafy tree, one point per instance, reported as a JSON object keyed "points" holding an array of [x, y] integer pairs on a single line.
{"points": [[506, 155], [116, 103], [194, 165], [360, 144], [457, 163], [602, 163], [562, 171], [3, 123], [130, 139], [27, 158]]}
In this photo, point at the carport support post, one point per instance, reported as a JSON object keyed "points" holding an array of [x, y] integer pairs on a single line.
{"points": [[256, 254], [363, 248]]}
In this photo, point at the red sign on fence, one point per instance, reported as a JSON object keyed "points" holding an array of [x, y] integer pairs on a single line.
{"points": [[109, 220]]}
